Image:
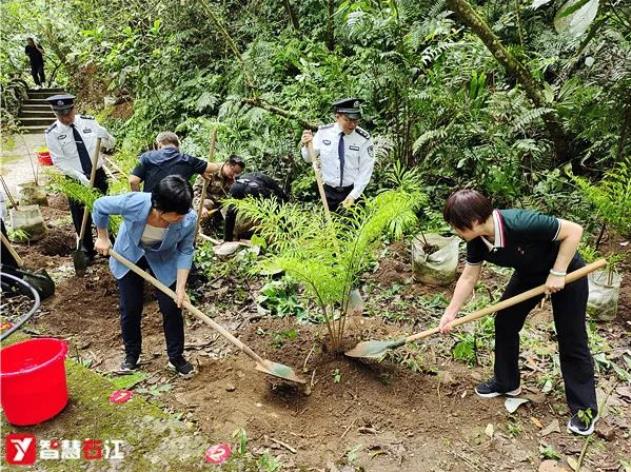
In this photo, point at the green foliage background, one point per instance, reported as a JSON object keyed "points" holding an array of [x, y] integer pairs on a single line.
{"points": [[436, 99]]}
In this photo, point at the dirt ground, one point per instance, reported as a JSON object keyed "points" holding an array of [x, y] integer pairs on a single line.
{"points": [[379, 417]]}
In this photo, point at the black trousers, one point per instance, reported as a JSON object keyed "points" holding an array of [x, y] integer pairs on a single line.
{"points": [[568, 307], [131, 290], [76, 210], [37, 71], [336, 195], [6, 258]]}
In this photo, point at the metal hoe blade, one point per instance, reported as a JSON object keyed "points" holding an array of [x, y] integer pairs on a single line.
{"points": [[279, 370], [374, 349]]}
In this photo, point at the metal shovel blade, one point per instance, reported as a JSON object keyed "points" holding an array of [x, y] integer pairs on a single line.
{"points": [[279, 370], [374, 349], [81, 261], [41, 282]]}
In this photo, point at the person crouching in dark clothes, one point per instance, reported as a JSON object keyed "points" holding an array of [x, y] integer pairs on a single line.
{"points": [[256, 185], [541, 249]]}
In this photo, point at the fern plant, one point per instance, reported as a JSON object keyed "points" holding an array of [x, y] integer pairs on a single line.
{"points": [[80, 193], [328, 257], [611, 197]]}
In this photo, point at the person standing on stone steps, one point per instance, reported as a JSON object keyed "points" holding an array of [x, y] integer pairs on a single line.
{"points": [[541, 249], [35, 55], [346, 154], [71, 140]]}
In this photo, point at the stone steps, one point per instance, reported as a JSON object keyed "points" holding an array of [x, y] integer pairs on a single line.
{"points": [[36, 115], [44, 93], [36, 121]]}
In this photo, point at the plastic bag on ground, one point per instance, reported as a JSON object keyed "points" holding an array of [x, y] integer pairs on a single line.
{"points": [[604, 291], [28, 222], [438, 267]]}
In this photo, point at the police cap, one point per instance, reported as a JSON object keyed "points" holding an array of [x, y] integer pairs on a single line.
{"points": [[349, 107], [61, 104]]}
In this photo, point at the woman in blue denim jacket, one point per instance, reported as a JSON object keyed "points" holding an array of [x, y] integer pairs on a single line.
{"points": [[157, 234]]}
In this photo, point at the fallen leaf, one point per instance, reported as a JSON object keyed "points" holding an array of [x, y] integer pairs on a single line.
{"points": [[536, 422], [489, 430], [512, 404], [553, 427], [573, 463], [551, 466], [547, 387], [625, 393]]}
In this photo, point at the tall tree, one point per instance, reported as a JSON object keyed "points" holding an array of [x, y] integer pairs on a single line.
{"points": [[532, 88], [292, 15]]}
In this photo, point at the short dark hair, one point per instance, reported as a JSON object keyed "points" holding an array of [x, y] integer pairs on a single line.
{"points": [[172, 194], [235, 160], [168, 137], [466, 207]]}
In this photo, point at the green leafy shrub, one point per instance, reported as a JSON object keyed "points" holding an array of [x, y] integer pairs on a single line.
{"points": [[329, 256]]}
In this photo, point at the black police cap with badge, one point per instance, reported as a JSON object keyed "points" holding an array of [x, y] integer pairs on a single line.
{"points": [[349, 107], [61, 104]]}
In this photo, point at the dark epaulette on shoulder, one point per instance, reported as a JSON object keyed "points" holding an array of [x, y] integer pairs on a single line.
{"points": [[51, 127], [362, 132], [326, 126], [87, 117]]}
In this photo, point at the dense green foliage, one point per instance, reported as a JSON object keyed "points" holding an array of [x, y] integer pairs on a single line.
{"points": [[329, 256], [436, 98]]}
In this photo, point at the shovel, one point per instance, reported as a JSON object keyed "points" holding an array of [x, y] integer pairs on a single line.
{"points": [[262, 365], [80, 257], [377, 349], [355, 303], [202, 197], [315, 162], [40, 280]]}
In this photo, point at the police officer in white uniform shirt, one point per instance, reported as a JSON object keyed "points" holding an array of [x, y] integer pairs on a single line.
{"points": [[346, 154], [71, 140]]}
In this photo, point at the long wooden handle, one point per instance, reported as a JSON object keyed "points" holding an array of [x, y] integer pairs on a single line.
{"points": [[202, 197], [11, 250], [86, 211], [186, 304], [315, 162], [533, 292], [6, 190]]}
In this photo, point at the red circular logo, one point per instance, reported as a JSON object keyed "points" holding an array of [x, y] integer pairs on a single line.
{"points": [[219, 453], [121, 396]]}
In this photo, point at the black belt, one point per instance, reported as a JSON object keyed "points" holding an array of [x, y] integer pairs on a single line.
{"points": [[348, 188]]}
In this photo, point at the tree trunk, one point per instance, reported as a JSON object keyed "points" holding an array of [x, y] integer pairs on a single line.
{"points": [[249, 81], [292, 15], [470, 17], [259, 103], [330, 28]]}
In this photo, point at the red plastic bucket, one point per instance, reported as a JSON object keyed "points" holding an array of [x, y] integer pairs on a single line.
{"points": [[43, 156], [33, 380]]}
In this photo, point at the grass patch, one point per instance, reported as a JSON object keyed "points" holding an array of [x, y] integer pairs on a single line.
{"points": [[154, 439]]}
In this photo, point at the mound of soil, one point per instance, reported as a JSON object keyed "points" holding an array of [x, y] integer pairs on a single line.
{"points": [[392, 271], [57, 244]]}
